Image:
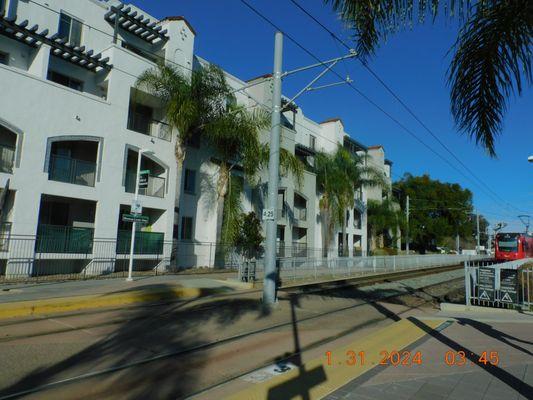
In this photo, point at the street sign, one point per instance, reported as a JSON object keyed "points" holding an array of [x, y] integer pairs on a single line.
{"points": [[143, 181], [136, 207], [509, 286], [268, 214], [143, 178], [135, 218], [486, 279]]}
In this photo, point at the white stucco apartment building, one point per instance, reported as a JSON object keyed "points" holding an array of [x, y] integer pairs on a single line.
{"points": [[72, 126]]}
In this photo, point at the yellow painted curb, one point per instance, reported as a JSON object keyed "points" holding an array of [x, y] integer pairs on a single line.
{"points": [[75, 303], [236, 283], [316, 379]]}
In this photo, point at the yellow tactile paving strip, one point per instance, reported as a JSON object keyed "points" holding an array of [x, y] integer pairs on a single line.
{"points": [[316, 379], [76, 303]]}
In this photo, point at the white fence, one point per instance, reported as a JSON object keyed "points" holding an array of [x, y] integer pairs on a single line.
{"points": [[290, 269]]}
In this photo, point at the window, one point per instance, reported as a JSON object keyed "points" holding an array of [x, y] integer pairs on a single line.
{"points": [[65, 80], [312, 142], [4, 57], [186, 228], [190, 181], [139, 52], [70, 29], [140, 118]]}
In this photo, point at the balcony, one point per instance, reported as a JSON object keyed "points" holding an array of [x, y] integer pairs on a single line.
{"points": [[145, 242], [360, 205], [7, 159], [300, 214], [155, 187], [282, 213], [299, 249], [280, 249], [5, 234], [71, 170], [64, 239], [141, 123]]}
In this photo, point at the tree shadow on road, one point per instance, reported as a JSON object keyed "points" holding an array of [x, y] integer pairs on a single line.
{"points": [[148, 355]]}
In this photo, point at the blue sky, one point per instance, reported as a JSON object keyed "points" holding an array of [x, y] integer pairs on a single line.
{"points": [[413, 63]]}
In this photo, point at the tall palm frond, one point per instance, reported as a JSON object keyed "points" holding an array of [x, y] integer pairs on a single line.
{"points": [[374, 20], [189, 102], [492, 52], [235, 137], [232, 210]]}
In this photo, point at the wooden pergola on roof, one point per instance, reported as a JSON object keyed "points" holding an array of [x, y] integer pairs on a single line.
{"points": [[59, 47], [136, 24]]}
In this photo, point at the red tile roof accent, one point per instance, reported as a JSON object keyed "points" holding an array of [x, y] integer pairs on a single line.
{"points": [[180, 18], [332, 120]]}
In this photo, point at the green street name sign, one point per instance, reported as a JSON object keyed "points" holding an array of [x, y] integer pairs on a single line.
{"points": [[135, 218]]}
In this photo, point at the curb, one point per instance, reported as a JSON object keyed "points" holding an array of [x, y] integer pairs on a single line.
{"points": [[450, 307], [76, 303], [236, 283]]}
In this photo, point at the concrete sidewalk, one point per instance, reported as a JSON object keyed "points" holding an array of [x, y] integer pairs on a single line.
{"points": [[19, 300], [480, 355]]}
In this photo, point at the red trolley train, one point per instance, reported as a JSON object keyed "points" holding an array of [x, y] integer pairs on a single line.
{"points": [[513, 246]]}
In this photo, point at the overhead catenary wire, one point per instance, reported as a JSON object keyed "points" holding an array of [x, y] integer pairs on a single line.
{"points": [[395, 120], [261, 81], [405, 106]]}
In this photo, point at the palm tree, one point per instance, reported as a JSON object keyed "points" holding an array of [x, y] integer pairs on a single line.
{"points": [[235, 139], [384, 216], [492, 53], [339, 176], [189, 103]]}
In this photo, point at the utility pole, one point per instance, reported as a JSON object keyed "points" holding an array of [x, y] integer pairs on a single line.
{"points": [[477, 230], [407, 226], [270, 278], [269, 213]]}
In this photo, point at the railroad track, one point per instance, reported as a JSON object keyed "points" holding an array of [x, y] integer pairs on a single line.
{"points": [[283, 293], [286, 292]]}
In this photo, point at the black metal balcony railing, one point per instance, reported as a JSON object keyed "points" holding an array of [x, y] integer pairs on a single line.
{"points": [[70, 170], [148, 126], [280, 249], [299, 249], [5, 234], [300, 214], [145, 242], [64, 239], [360, 205], [7, 159], [154, 188]]}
